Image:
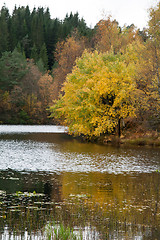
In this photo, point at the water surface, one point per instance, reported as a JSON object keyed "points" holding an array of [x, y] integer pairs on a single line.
{"points": [[48, 148], [108, 192]]}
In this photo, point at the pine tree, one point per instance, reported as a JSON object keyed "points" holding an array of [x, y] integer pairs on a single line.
{"points": [[34, 53], [4, 18], [43, 56], [37, 28], [12, 69]]}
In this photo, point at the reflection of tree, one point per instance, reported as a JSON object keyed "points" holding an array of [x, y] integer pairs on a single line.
{"points": [[128, 199], [112, 205], [27, 205], [49, 184], [47, 188]]}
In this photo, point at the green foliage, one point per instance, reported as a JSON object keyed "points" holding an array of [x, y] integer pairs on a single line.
{"points": [[12, 69], [34, 53], [43, 56], [97, 93], [72, 22], [23, 117], [35, 32], [60, 232], [102, 89], [4, 31], [26, 35], [40, 66]]}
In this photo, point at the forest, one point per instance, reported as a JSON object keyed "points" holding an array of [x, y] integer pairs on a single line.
{"points": [[94, 80]]}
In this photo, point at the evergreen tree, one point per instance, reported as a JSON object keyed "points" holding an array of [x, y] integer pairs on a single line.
{"points": [[20, 49], [37, 28], [4, 18], [27, 16], [28, 30], [73, 22], [12, 69], [26, 44], [43, 56], [34, 53], [40, 66]]}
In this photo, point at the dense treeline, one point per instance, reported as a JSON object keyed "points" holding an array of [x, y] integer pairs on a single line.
{"points": [[28, 41], [35, 34], [116, 84], [38, 54]]}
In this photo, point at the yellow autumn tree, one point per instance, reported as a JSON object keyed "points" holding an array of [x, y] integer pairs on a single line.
{"points": [[154, 41], [109, 35], [97, 94], [145, 76]]}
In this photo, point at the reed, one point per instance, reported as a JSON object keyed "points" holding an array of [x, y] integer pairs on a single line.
{"points": [[60, 232]]}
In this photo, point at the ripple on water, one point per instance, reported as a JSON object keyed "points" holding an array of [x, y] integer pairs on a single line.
{"points": [[28, 155]]}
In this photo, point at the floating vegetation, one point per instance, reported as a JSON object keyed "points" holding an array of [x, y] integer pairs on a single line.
{"points": [[28, 194]]}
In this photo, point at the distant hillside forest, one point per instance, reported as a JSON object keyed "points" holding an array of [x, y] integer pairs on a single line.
{"points": [[38, 52]]}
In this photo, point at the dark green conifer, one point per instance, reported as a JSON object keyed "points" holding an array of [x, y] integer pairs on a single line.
{"points": [[4, 35], [43, 55]]}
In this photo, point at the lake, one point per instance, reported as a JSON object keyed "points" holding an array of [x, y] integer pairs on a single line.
{"points": [[102, 192]]}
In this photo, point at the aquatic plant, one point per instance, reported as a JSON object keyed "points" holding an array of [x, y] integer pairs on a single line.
{"points": [[60, 232]]}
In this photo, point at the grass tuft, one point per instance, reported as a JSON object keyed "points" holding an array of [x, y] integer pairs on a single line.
{"points": [[60, 232]]}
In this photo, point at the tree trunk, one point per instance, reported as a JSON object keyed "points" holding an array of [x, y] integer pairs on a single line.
{"points": [[119, 127]]}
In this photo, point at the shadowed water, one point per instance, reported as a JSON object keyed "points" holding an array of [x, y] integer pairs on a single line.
{"points": [[107, 192]]}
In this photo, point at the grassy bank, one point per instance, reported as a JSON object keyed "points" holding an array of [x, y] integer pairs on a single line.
{"points": [[133, 138]]}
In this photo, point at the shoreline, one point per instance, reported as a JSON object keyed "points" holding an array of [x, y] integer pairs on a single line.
{"points": [[135, 139], [148, 138]]}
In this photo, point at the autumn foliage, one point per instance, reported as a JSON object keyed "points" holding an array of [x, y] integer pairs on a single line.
{"points": [[66, 53], [119, 81], [98, 93], [100, 81]]}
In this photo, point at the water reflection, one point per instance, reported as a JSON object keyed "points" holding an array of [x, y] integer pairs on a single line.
{"points": [[112, 204], [107, 192]]}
